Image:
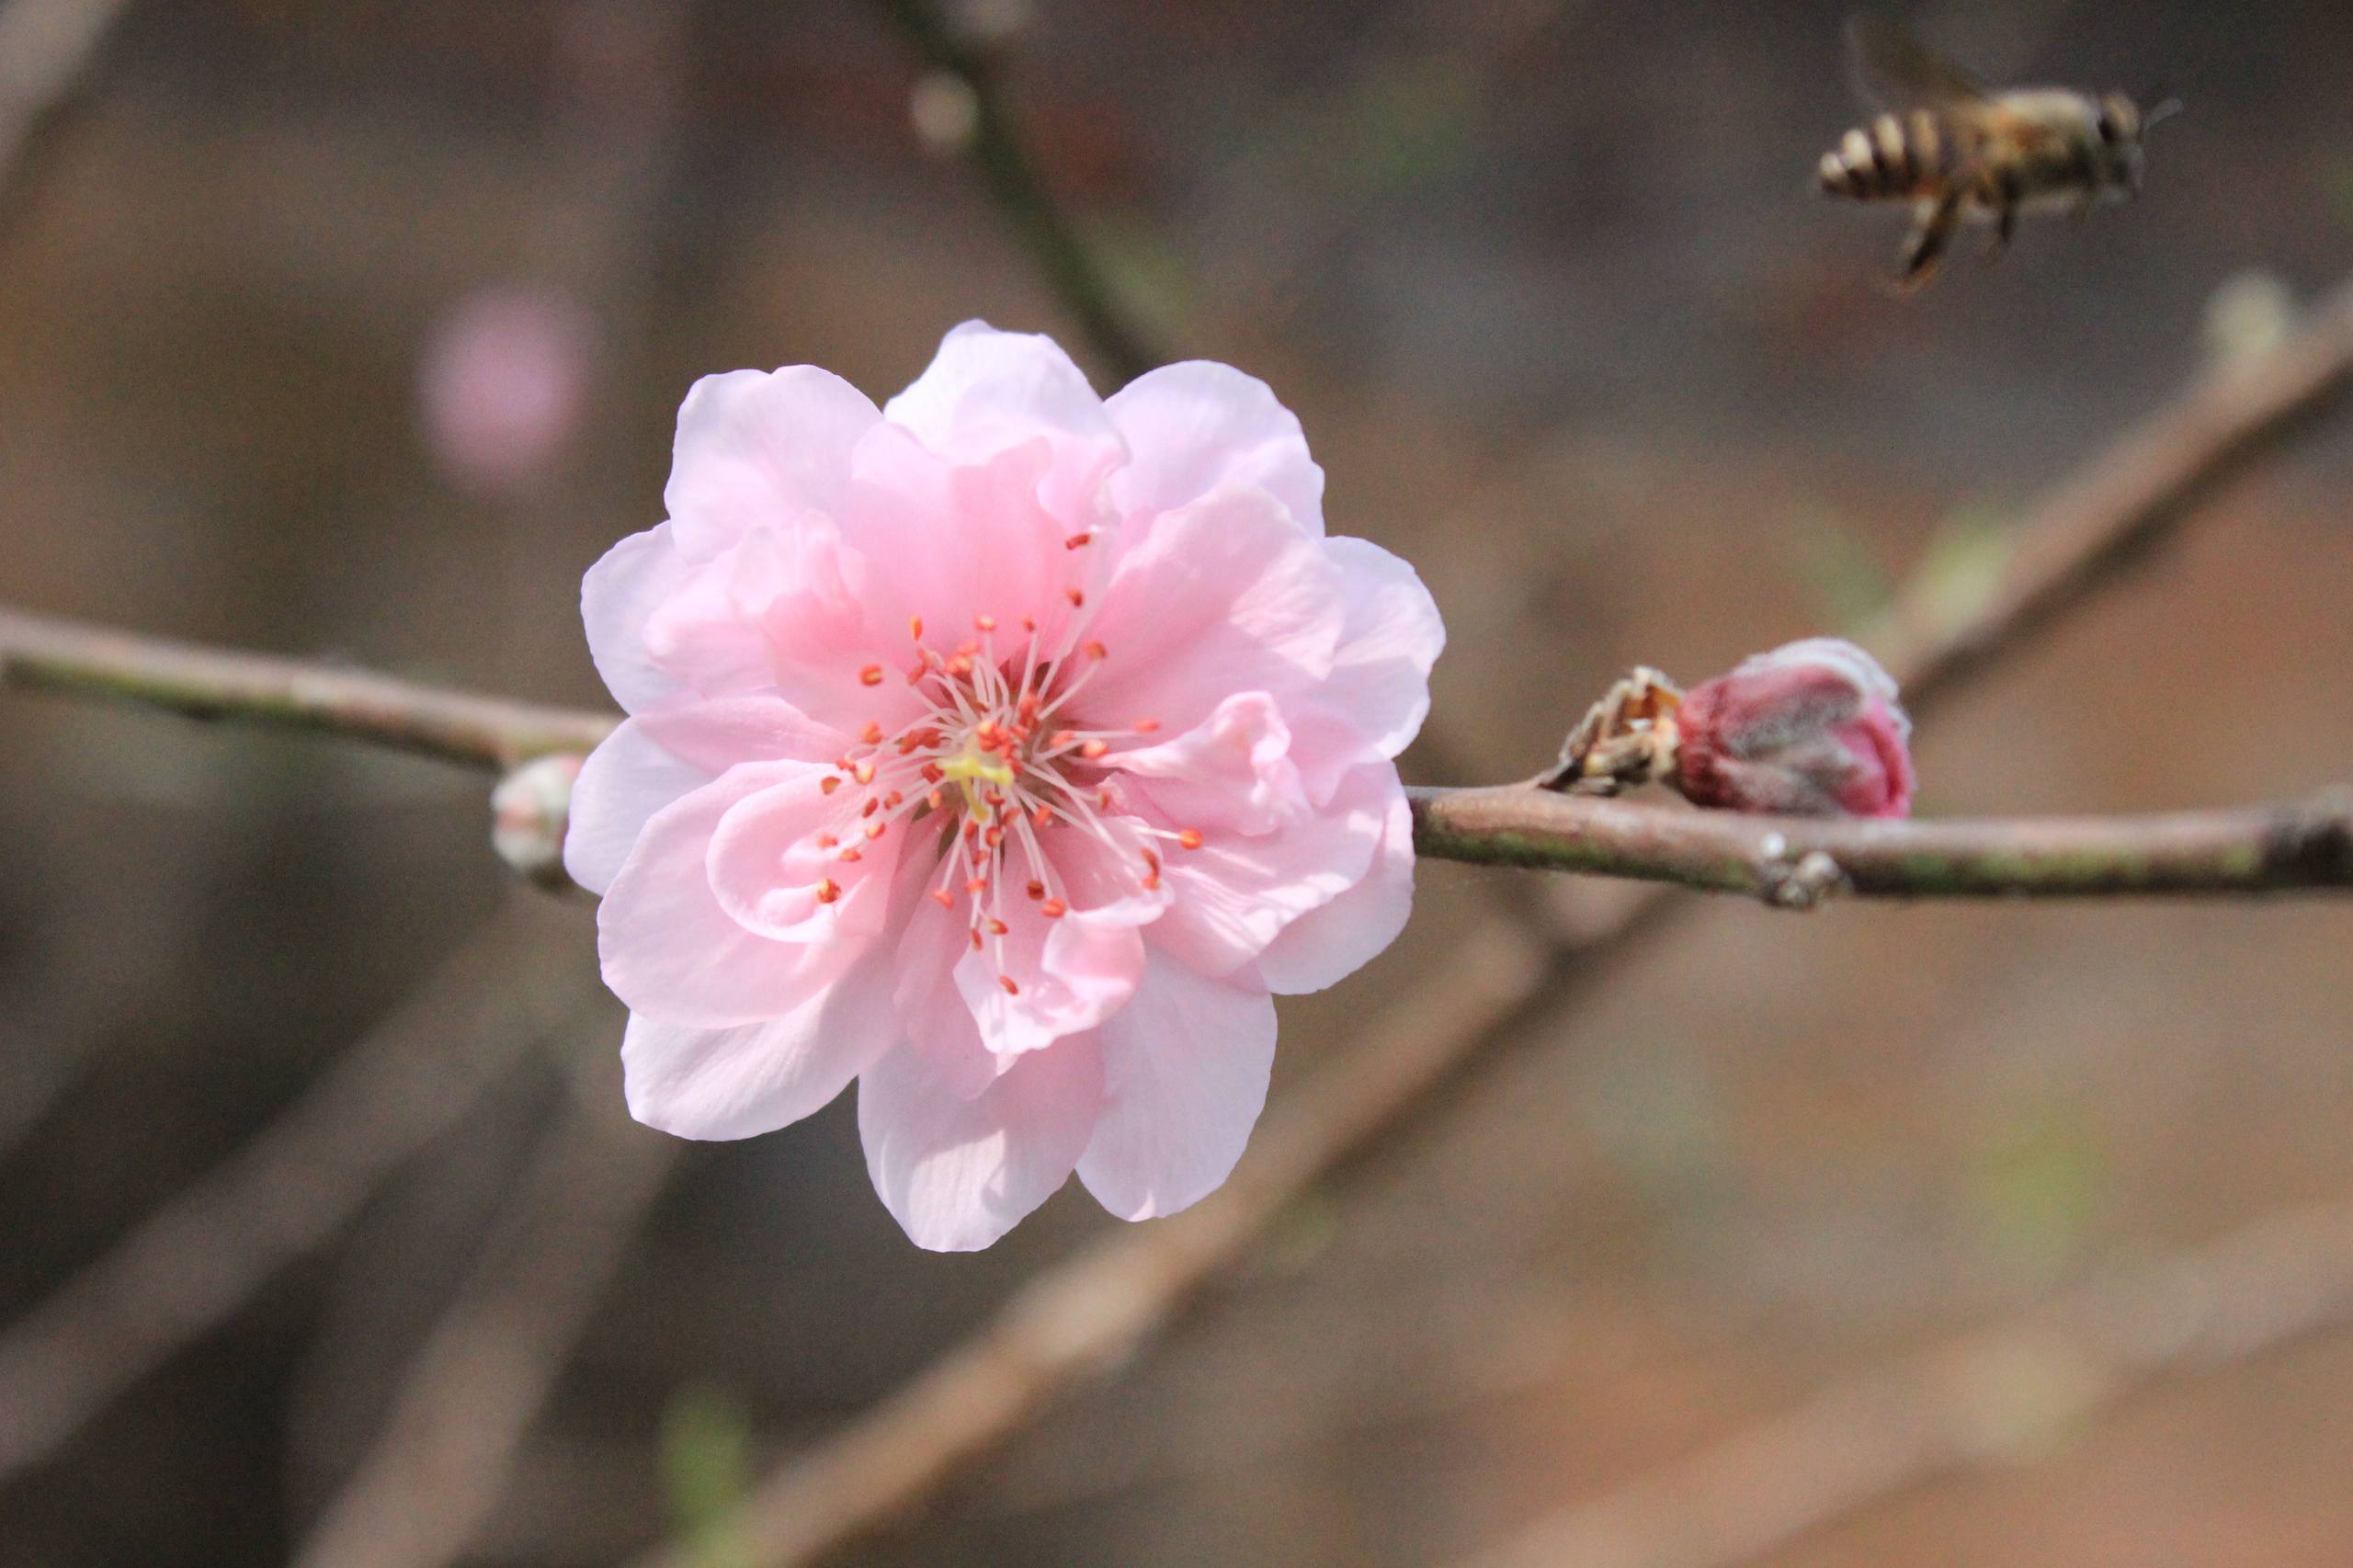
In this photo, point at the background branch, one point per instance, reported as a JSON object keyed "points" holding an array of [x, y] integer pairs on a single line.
{"points": [[1012, 183], [189, 1266], [471, 1393], [47, 47], [1965, 1404]]}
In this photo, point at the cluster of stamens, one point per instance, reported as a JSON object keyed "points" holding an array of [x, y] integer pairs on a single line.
{"points": [[1000, 759]]}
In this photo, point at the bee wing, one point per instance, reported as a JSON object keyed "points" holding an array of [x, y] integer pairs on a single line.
{"points": [[1896, 71]]}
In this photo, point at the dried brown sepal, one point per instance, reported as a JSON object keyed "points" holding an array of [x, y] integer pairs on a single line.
{"points": [[1627, 738]]}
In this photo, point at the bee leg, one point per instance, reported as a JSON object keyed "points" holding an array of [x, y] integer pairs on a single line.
{"points": [[2006, 218], [1930, 235]]}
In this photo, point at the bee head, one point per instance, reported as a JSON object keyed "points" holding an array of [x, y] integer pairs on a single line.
{"points": [[2120, 124]]}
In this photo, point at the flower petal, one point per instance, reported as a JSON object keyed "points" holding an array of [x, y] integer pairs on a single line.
{"points": [[1070, 973], [672, 953], [777, 861], [1232, 770], [757, 448], [1227, 595], [958, 1173], [1234, 894], [986, 390], [1379, 691], [1194, 426], [1327, 945], [737, 1083], [618, 597], [624, 781], [1184, 1070]]}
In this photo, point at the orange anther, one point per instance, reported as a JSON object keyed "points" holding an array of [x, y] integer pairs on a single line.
{"points": [[1053, 909], [1077, 600], [1190, 838], [1078, 542], [827, 892], [1093, 749], [863, 773], [1037, 890], [914, 627], [1146, 726], [985, 623], [871, 734], [1097, 652], [1010, 989], [874, 829], [872, 674], [997, 927], [827, 784], [945, 899]]}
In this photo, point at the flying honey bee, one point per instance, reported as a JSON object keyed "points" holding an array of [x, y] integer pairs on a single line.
{"points": [[1956, 149]]}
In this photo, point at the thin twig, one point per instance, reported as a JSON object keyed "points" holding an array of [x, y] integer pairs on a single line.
{"points": [[45, 654], [1999, 1395], [1092, 1310], [1068, 266], [190, 1265], [1794, 863], [472, 1392]]}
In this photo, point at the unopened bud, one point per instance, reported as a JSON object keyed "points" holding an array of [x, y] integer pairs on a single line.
{"points": [[529, 813], [1813, 728]]}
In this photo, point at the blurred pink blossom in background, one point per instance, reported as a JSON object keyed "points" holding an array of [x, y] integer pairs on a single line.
{"points": [[1003, 749], [502, 387], [1813, 727]]}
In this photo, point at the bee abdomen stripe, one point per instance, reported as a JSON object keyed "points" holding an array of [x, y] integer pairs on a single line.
{"points": [[1888, 154]]}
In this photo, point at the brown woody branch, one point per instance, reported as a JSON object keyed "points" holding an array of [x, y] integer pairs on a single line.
{"points": [[1792, 862]]}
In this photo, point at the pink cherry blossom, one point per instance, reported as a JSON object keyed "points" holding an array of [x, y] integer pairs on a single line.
{"points": [[1813, 727], [1002, 749]]}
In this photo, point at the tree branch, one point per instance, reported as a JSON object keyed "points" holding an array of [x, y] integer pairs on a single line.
{"points": [[1014, 185], [45, 654], [1992, 1397], [1794, 863], [1789, 861], [190, 1265]]}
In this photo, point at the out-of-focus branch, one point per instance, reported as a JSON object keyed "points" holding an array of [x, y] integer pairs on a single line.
{"points": [[1091, 1311], [479, 1381], [1993, 1397], [997, 150], [46, 48], [189, 1268], [1794, 863], [45, 654]]}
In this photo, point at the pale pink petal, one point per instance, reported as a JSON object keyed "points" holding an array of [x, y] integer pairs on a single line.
{"points": [[673, 953], [716, 733], [1324, 946], [624, 781], [778, 862], [735, 1083], [618, 596], [1069, 973], [1234, 894], [1379, 691], [1194, 426], [958, 1173], [1185, 1068], [933, 1017], [1227, 595], [986, 390], [757, 448], [1234, 771]]}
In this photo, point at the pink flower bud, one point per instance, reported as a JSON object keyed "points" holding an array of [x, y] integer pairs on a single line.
{"points": [[1811, 728]]}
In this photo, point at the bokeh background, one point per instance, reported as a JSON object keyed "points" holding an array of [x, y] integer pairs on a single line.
{"points": [[357, 331]]}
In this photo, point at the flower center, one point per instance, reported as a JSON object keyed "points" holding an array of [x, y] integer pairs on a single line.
{"points": [[1000, 758]]}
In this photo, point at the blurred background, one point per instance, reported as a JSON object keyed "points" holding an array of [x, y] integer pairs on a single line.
{"points": [[357, 331]]}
